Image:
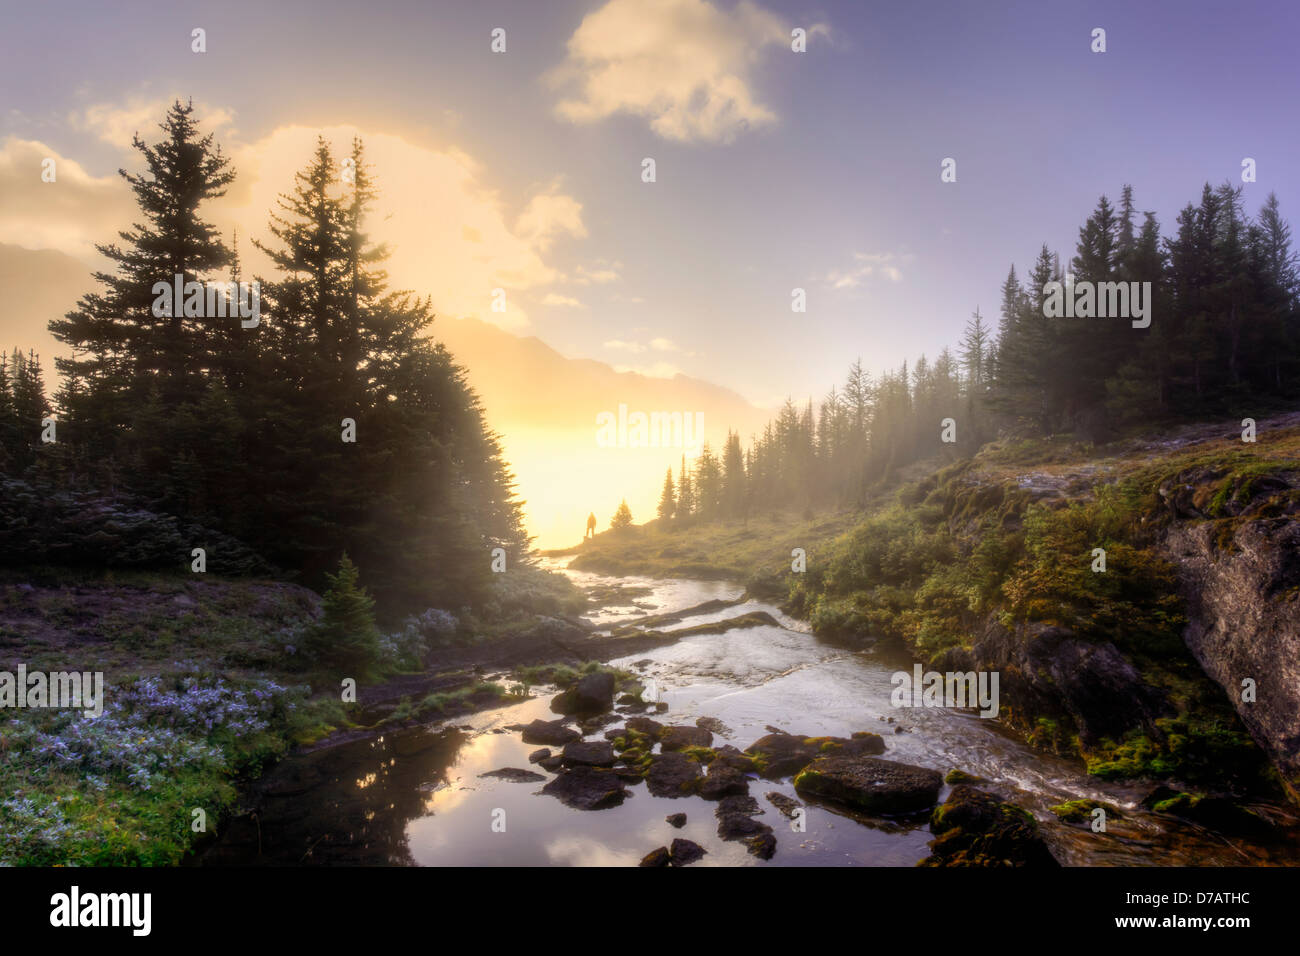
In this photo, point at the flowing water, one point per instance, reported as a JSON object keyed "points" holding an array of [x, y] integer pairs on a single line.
{"points": [[416, 796]]}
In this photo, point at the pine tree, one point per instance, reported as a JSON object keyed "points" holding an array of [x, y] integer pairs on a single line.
{"points": [[667, 500], [346, 637], [622, 519]]}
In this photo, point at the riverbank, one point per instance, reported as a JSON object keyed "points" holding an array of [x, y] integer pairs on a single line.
{"points": [[206, 684], [692, 753], [1068, 568]]}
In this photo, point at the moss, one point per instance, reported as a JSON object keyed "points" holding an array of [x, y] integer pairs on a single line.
{"points": [[1080, 811], [955, 777], [702, 755]]}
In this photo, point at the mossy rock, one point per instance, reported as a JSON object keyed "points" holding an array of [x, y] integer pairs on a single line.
{"points": [[1080, 811]]}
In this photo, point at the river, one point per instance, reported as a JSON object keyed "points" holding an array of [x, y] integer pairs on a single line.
{"points": [[416, 797]]}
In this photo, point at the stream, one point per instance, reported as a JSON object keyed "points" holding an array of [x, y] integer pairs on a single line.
{"points": [[415, 796]]}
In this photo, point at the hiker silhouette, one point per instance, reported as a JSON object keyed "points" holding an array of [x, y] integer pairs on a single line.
{"points": [[591, 526]]}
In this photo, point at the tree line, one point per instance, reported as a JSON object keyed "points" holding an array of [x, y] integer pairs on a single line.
{"points": [[242, 429], [1224, 339]]}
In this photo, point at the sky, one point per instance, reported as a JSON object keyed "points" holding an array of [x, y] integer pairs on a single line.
{"points": [[775, 170]]}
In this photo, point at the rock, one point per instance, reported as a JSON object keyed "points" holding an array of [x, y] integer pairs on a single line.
{"points": [[738, 803], [644, 725], [729, 756], [736, 822], [593, 694], [1244, 616], [870, 784], [713, 726], [629, 774], [1217, 813], [1159, 794], [587, 788], [1080, 811], [539, 755], [762, 846], [672, 775], [679, 738], [735, 818], [955, 776], [787, 805], [552, 732], [1047, 669], [661, 707], [686, 852], [593, 724], [677, 820], [782, 755], [974, 829], [723, 781], [738, 826], [551, 763], [657, 857], [514, 775], [594, 753]]}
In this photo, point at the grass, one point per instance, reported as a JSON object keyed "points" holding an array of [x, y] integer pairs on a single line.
{"points": [[203, 688]]}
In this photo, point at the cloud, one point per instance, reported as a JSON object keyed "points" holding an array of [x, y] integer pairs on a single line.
{"points": [[450, 233], [549, 215], [684, 65], [664, 345], [866, 266], [553, 298], [70, 214], [621, 346], [117, 124], [602, 273]]}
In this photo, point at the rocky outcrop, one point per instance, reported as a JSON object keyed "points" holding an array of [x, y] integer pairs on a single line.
{"points": [[1241, 581], [1046, 669]]}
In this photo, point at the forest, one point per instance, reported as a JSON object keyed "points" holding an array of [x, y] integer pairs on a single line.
{"points": [[1223, 341], [333, 426]]}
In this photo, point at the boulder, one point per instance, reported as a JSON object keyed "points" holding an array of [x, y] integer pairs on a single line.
{"points": [[781, 755], [659, 856], [686, 852], [973, 829], [672, 775], [723, 781], [592, 753], [552, 732], [679, 738], [677, 820], [592, 694], [513, 775], [587, 788], [870, 784]]}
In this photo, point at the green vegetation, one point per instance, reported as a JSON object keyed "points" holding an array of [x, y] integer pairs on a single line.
{"points": [[205, 684]]}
